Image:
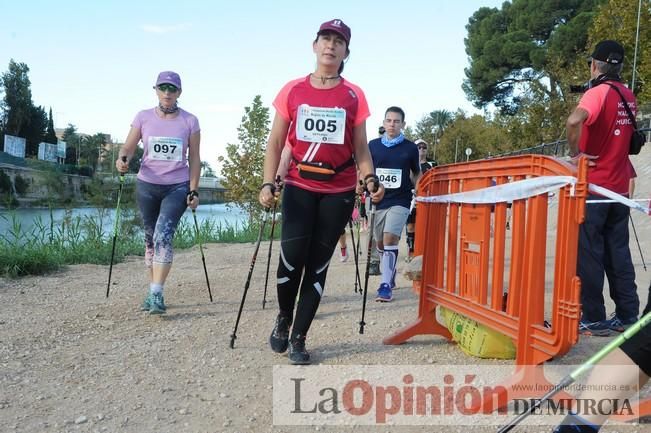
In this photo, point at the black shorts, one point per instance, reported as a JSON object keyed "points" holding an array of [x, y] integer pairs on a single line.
{"points": [[638, 348], [411, 219]]}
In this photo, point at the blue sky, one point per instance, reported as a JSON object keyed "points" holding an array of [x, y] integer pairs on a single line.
{"points": [[95, 62]]}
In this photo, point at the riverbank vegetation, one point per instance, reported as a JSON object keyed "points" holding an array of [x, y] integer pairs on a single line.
{"points": [[47, 247]]}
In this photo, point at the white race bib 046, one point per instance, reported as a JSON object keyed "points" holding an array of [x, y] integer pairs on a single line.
{"points": [[321, 124], [391, 178], [165, 148]]}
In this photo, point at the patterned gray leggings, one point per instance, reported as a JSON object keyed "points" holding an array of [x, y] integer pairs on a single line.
{"points": [[161, 207]]}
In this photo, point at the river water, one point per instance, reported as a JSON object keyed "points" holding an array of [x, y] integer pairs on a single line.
{"points": [[27, 217]]}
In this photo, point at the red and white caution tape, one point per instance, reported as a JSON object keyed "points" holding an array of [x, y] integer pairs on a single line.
{"points": [[526, 188]]}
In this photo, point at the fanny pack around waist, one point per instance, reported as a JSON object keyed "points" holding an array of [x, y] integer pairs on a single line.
{"points": [[320, 170]]}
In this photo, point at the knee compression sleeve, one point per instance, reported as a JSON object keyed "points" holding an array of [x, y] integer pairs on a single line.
{"points": [[388, 264]]}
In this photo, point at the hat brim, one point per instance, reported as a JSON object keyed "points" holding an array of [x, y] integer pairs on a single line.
{"points": [[168, 82], [343, 36]]}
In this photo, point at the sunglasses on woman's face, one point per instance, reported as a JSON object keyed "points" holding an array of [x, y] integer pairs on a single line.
{"points": [[168, 88], [422, 147]]}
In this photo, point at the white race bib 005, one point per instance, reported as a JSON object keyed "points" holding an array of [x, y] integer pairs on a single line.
{"points": [[165, 148], [321, 124], [391, 178]]}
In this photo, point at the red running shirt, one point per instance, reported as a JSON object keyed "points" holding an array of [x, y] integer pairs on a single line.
{"points": [[321, 123], [607, 133]]}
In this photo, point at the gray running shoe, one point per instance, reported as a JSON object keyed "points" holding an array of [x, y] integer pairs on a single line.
{"points": [[146, 304], [156, 304]]}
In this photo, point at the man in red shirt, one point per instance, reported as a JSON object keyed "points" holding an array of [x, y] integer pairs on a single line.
{"points": [[600, 129]]}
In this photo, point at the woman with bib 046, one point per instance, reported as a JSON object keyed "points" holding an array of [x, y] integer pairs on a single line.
{"points": [[168, 179], [323, 118]]}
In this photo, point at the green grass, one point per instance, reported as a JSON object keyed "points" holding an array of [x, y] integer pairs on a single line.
{"points": [[46, 248]]}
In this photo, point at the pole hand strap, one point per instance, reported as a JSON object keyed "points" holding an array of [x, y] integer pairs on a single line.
{"points": [[192, 194]]}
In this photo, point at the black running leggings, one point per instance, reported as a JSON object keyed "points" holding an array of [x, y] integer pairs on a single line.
{"points": [[312, 224]]}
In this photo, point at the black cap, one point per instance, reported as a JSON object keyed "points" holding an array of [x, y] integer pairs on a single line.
{"points": [[609, 51]]}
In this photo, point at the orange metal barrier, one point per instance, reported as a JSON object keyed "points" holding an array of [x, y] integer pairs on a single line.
{"points": [[467, 260]]}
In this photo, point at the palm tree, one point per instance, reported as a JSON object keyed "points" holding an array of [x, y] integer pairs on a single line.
{"points": [[206, 170], [93, 149], [432, 126]]}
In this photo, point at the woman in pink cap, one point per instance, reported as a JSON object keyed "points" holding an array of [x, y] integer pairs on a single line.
{"points": [[168, 178], [322, 116]]}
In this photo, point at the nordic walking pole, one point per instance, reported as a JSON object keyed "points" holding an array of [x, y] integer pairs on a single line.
{"points": [[370, 206], [574, 375], [358, 281], [248, 278], [638, 241], [271, 241], [359, 224], [203, 258], [115, 229]]}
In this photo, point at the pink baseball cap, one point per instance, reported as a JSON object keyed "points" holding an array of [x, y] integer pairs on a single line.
{"points": [[169, 77], [338, 27]]}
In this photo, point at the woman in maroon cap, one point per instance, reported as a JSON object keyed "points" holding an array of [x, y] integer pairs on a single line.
{"points": [[323, 118]]}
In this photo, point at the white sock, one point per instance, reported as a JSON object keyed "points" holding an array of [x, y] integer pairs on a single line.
{"points": [[155, 288], [388, 263]]}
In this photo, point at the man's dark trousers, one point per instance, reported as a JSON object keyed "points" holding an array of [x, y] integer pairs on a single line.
{"points": [[603, 248]]}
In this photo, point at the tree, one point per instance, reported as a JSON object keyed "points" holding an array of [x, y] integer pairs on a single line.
{"points": [[431, 127], [409, 133], [243, 163], [18, 98], [92, 150], [206, 170], [136, 160], [71, 138], [617, 19], [484, 136], [34, 130], [50, 135], [70, 133], [524, 45], [3, 109]]}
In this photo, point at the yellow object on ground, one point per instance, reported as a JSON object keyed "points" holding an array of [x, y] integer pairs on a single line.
{"points": [[476, 339]]}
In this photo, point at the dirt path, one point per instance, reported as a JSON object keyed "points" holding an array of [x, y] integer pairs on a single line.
{"points": [[73, 361]]}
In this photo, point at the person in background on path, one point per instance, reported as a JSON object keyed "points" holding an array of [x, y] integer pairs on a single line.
{"points": [[168, 179], [374, 267], [397, 165], [323, 117], [599, 128], [343, 247], [411, 220]]}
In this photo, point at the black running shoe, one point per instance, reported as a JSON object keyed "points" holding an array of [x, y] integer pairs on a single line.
{"points": [[278, 340], [297, 353]]}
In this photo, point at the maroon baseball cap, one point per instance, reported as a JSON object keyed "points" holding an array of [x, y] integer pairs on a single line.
{"points": [[338, 27], [169, 77]]}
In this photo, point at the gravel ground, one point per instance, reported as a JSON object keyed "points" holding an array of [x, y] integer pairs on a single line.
{"points": [[73, 361]]}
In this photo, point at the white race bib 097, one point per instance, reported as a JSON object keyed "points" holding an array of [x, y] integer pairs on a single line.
{"points": [[321, 124], [391, 178], [165, 148]]}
